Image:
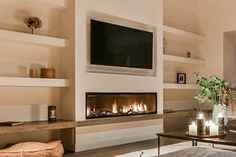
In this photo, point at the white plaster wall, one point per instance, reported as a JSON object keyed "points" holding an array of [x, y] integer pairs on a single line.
{"points": [[148, 12]]}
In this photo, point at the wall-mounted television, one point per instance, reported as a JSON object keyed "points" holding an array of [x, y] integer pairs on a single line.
{"points": [[118, 46]]}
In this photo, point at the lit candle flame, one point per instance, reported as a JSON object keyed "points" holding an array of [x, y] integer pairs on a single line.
{"points": [[200, 116]]}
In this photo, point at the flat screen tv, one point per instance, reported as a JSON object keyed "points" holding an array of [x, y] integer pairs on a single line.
{"points": [[121, 49]]}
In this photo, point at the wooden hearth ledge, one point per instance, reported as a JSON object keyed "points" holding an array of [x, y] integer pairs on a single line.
{"points": [[111, 120], [38, 126]]}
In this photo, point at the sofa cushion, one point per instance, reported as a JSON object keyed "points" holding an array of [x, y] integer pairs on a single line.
{"points": [[34, 149]]}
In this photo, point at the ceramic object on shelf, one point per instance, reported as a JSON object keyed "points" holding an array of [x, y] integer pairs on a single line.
{"points": [[34, 73], [189, 54], [48, 73], [52, 113]]}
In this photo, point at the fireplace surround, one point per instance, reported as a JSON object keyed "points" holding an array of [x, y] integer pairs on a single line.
{"points": [[107, 105]]}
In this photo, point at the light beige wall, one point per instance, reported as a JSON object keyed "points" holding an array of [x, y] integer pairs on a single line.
{"points": [[181, 14], [215, 17], [148, 12], [229, 58]]}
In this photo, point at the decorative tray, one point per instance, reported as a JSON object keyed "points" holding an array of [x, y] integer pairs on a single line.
{"points": [[206, 136]]}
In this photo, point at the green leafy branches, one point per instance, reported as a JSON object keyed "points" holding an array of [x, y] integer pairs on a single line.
{"points": [[212, 90]]}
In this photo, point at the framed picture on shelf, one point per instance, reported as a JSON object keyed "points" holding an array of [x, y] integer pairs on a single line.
{"points": [[181, 78]]}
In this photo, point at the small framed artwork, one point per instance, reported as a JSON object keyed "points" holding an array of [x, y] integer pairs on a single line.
{"points": [[181, 78]]}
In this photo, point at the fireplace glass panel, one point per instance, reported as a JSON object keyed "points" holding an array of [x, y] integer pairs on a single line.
{"points": [[104, 105]]}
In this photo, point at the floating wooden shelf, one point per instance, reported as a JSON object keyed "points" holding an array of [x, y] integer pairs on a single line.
{"points": [[38, 126], [26, 38], [182, 59], [186, 34], [180, 86], [50, 4], [33, 82]]}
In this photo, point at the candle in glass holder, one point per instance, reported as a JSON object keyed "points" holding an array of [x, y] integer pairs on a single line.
{"points": [[192, 129], [207, 128], [201, 124], [214, 129], [220, 123]]}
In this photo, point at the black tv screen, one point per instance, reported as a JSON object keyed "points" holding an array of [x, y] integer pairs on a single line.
{"points": [[115, 45]]}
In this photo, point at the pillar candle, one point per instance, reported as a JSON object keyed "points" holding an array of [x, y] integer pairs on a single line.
{"points": [[192, 129], [214, 129]]}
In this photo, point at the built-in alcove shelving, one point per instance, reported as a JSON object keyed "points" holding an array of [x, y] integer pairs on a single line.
{"points": [[175, 60], [21, 52], [174, 54]]}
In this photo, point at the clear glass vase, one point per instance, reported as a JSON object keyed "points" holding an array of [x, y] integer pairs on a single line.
{"points": [[220, 109]]}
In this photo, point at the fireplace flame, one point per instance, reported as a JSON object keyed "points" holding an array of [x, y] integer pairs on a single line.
{"points": [[135, 108], [114, 107], [125, 109], [145, 107], [88, 111]]}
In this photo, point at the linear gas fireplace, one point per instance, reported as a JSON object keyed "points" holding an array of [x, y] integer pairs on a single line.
{"points": [[105, 105]]}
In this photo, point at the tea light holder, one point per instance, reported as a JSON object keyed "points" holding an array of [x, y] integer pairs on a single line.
{"points": [[200, 124], [220, 123], [207, 128], [51, 113]]}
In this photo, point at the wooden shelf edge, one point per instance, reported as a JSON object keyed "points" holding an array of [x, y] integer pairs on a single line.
{"points": [[38, 126], [178, 59], [33, 82], [20, 37], [113, 120], [180, 86], [179, 32]]}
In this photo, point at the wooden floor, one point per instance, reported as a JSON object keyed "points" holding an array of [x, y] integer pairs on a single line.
{"points": [[122, 149]]}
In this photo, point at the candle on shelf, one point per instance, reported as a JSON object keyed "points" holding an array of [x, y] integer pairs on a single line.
{"points": [[220, 123], [207, 129], [214, 129], [192, 129], [200, 124]]}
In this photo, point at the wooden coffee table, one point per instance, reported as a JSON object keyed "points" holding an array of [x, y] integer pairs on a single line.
{"points": [[228, 139]]}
